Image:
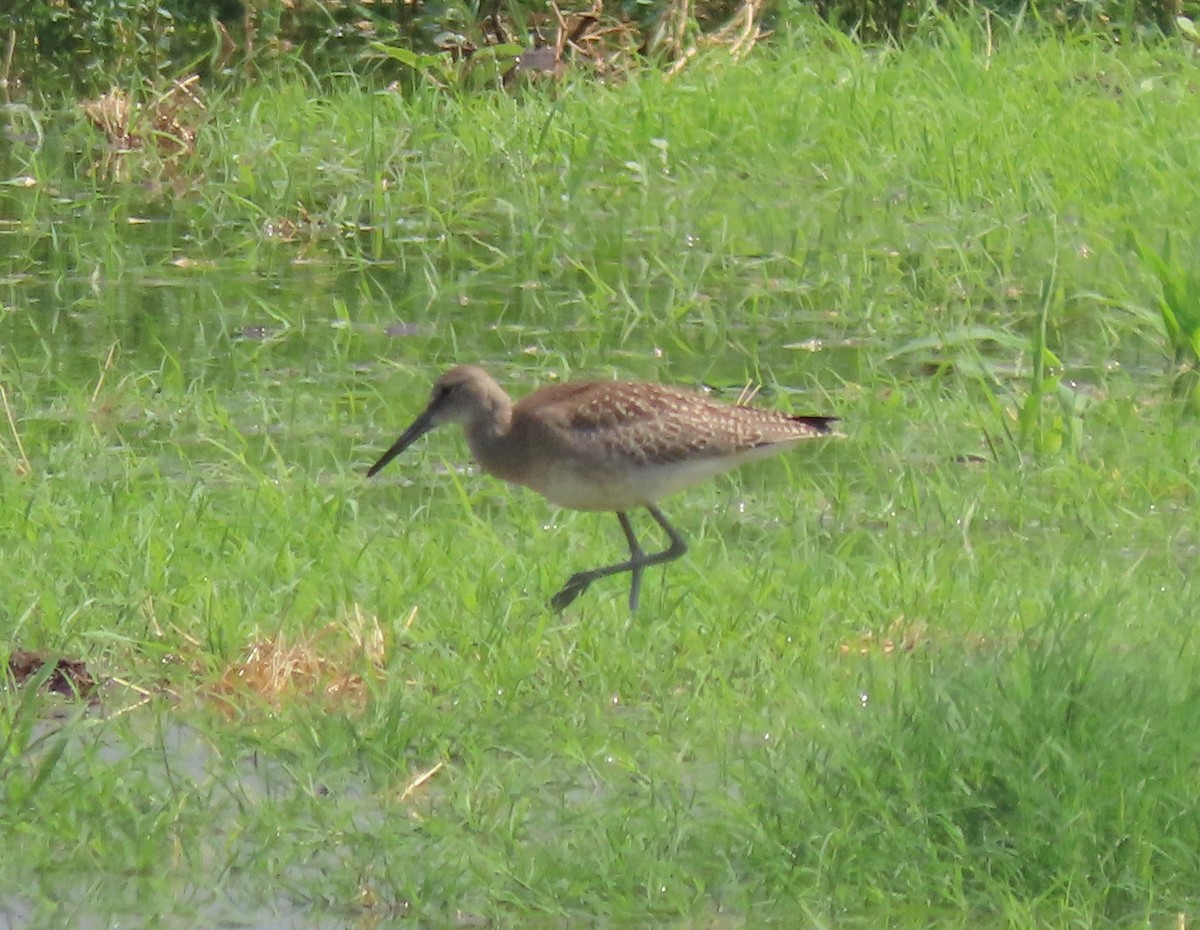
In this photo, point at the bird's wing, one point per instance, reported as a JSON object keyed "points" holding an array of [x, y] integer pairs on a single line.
{"points": [[651, 423]]}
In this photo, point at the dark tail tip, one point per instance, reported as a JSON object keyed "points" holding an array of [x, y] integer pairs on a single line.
{"points": [[820, 424]]}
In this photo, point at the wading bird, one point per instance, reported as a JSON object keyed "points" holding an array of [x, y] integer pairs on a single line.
{"points": [[605, 446]]}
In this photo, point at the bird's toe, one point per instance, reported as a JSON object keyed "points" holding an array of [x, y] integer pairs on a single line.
{"points": [[575, 586]]}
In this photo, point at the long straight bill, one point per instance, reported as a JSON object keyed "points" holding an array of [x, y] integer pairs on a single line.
{"points": [[422, 425]]}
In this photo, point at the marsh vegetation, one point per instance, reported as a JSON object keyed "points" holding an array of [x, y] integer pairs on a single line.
{"points": [[941, 673]]}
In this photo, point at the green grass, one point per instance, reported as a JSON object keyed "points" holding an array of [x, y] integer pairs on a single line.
{"points": [[940, 672]]}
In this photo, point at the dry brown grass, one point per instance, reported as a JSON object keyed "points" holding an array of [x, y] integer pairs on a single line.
{"points": [[902, 636], [905, 636], [333, 665], [738, 35], [21, 465], [165, 127]]}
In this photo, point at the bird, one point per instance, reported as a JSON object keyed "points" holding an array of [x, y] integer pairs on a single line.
{"points": [[605, 446]]}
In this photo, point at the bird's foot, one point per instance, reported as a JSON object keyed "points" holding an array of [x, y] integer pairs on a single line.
{"points": [[575, 586]]}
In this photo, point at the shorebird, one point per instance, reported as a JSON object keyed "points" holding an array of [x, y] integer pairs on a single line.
{"points": [[605, 446]]}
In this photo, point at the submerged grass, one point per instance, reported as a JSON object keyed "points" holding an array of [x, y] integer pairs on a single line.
{"points": [[940, 672]]}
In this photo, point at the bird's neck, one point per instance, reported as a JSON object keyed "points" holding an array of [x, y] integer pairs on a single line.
{"points": [[493, 444], [490, 428]]}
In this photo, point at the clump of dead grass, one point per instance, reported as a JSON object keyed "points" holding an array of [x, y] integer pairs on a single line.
{"points": [[902, 636], [333, 665], [905, 636], [588, 38], [738, 35], [590, 41], [162, 130]]}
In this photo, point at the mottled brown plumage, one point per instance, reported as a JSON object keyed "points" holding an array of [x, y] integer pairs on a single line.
{"points": [[605, 445]]}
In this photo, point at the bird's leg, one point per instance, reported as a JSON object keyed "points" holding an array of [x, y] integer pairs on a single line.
{"points": [[637, 563], [636, 555]]}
